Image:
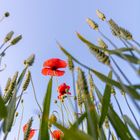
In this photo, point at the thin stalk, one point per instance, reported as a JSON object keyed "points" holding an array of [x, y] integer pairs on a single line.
{"points": [[109, 134], [137, 43], [127, 47], [135, 48], [131, 111], [19, 100], [20, 123], [62, 113], [35, 95], [118, 105], [2, 19], [66, 112], [69, 112], [2, 45], [120, 70], [5, 50], [5, 136], [73, 80]]}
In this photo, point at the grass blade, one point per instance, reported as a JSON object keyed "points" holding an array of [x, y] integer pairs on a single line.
{"points": [[105, 101], [44, 131]]}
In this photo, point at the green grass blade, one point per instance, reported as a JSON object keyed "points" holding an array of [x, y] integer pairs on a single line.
{"points": [[73, 134], [105, 101], [44, 131], [132, 126], [79, 121], [8, 121], [20, 79], [120, 128]]}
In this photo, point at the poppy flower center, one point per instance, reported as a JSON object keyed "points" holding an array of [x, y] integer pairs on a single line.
{"points": [[54, 68]]}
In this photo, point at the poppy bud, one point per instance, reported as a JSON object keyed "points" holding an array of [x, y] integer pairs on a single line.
{"points": [[123, 93], [92, 24], [16, 114], [106, 123], [6, 14], [113, 90], [16, 40], [100, 15], [27, 81], [8, 37], [30, 60], [55, 101], [22, 101], [53, 119]]}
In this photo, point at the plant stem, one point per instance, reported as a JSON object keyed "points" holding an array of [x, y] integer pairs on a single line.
{"points": [[136, 42], [73, 80], [35, 95], [120, 71], [131, 111], [20, 123]]}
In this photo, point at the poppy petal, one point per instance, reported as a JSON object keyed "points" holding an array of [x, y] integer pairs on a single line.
{"points": [[55, 62], [32, 132], [48, 71]]}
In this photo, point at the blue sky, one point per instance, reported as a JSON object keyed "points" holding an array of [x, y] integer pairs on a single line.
{"points": [[43, 22]]}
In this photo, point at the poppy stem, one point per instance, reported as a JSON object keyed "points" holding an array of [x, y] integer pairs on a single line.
{"points": [[20, 122], [66, 112], [35, 95], [61, 107]]}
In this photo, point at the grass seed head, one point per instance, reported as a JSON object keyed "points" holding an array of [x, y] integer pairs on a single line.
{"points": [[92, 24], [100, 15], [8, 37]]}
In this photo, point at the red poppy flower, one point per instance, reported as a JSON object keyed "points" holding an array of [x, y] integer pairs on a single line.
{"points": [[51, 67], [57, 135], [63, 89], [32, 131]]}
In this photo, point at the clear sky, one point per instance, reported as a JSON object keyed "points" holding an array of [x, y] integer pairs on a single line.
{"points": [[42, 22]]}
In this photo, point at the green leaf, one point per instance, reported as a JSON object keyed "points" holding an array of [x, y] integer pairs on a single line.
{"points": [[73, 134], [120, 128], [20, 79], [129, 58], [117, 52], [105, 101], [92, 118], [132, 126], [8, 121], [79, 121], [3, 109], [44, 132]]}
